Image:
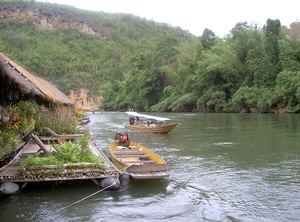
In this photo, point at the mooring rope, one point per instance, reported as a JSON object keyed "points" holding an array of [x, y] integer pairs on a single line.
{"points": [[114, 183]]}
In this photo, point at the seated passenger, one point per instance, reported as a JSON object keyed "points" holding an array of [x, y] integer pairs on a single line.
{"points": [[154, 123], [136, 121]]}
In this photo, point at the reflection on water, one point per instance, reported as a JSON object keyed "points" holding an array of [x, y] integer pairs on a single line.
{"points": [[223, 167]]}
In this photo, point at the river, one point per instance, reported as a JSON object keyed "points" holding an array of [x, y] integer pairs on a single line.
{"points": [[223, 167]]}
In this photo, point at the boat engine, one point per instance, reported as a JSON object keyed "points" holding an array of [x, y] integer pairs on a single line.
{"points": [[122, 137]]}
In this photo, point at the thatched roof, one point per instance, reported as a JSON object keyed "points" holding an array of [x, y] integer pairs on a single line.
{"points": [[30, 84]]}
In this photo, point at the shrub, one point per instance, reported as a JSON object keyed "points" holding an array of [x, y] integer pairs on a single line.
{"points": [[10, 134], [61, 120], [67, 152]]}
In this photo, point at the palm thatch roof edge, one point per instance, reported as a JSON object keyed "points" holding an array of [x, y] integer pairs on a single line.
{"points": [[29, 83]]}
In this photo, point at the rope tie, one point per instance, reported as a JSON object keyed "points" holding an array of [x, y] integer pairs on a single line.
{"points": [[114, 183]]}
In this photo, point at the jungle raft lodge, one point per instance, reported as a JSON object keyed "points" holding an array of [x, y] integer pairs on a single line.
{"points": [[18, 85]]}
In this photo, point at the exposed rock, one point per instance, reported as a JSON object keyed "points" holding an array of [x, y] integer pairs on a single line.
{"points": [[85, 100], [283, 111], [45, 20]]}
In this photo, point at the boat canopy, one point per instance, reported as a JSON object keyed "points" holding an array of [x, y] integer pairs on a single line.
{"points": [[146, 116]]}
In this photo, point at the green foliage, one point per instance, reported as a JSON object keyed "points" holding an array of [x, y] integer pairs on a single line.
{"points": [[218, 70], [141, 64], [287, 90], [69, 156], [207, 38], [253, 99], [185, 103], [79, 113], [37, 160], [15, 121], [270, 63], [25, 117], [288, 56], [246, 98], [67, 152], [60, 119], [27, 112], [9, 138]]}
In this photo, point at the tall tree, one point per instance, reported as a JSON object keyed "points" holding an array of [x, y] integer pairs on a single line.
{"points": [[270, 64], [218, 78], [207, 38]]}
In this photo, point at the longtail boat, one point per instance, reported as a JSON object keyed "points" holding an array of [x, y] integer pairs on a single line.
{"points": [[149, 123], [138, 161]]}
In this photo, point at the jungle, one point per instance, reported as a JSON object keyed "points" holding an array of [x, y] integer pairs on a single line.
{"points": [[148, 66]]}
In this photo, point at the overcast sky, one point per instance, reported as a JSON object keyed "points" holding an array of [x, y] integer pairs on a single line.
{"points": [[220, 16]]}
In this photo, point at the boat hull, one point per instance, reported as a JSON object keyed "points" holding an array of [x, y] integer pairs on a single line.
{"points": [[138, 161], [158, 129]]}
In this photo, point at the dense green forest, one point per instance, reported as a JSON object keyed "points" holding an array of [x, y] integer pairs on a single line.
{"points": [[148, 66]]}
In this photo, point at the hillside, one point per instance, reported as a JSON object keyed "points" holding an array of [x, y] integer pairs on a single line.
{"points": [[130, 62], [78, 49]]}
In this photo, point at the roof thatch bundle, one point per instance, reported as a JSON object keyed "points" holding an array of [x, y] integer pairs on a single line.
{"points": [[30, 84]]}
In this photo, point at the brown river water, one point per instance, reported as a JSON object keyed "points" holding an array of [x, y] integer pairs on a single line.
{"points": [[223, 167]]}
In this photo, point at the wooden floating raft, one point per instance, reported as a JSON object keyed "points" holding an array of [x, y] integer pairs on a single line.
{"points": [[13, 173]]}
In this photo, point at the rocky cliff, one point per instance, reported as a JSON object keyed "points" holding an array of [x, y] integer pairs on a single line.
{"points": [[43, 19], [84, 100]]}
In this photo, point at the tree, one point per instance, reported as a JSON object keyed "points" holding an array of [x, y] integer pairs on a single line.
{"points": [[271, 66], [218, 77], [288, 56], [207, 38], [165, 51]]}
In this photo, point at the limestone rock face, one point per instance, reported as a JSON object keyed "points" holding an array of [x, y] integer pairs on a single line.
{"points": [[43, 19], [83, 99]]}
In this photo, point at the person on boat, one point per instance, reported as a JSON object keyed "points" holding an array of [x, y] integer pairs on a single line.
{"points": [[162, 123], [123, 137], [131, 120], [137, 121], [153, 123]]}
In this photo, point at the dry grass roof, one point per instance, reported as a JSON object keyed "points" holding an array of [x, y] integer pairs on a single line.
{"points": [[30, 84]]}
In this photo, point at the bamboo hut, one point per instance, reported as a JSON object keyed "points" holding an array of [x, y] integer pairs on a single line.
{"points": [[17, 84]]}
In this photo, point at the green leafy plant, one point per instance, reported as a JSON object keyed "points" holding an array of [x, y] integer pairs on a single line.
{"points": [[79, 113], [10, 134], [26, 111], [67, 152]]}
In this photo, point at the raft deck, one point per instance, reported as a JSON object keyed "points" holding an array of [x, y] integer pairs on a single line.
{"points": [[82, 171]]}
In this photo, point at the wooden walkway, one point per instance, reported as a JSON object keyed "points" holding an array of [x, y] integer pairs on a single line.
{"points": [[12, 172]]}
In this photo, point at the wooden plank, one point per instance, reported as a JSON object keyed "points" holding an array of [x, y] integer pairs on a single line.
{"points": [[40, 143], [140, 162], [150, 175], [124, 155], [124, 150], [128, 152], [64, 136]]}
